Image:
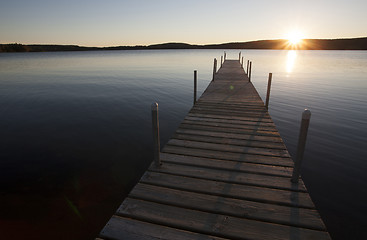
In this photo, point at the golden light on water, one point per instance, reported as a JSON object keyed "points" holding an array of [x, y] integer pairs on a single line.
{"points": [[291, 59]]}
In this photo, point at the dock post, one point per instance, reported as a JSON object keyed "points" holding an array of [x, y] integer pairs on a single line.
{"points": [[214, 68], [268, 91], [239, 56], [221, 61], [156, 139], [242, 62], [195, 84], [225, 55], [306, 115], [248, 61], [249, 74]]}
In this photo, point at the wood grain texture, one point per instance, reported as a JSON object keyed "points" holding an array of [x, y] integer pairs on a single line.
{"points": [[212, 224], [262, 177], [229, 148], [306, 218], [239, 191], [121, 228], [203, 137]]}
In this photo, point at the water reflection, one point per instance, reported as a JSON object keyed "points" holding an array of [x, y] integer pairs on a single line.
{"points": [[291, 59]]}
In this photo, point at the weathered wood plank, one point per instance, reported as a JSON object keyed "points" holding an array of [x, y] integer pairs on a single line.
{"points": [[230, 105], [230, 130], [229, 148], [234, 175], [213, 116], [235, 136], [231, 125], [228, 156], [244, 108], [239, 191], [240, 103], [229, 112], [229, 141], [299, 217], [121, 228], [227, 121], [213, 224]]}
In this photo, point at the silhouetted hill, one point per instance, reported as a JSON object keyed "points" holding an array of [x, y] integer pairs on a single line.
{"points": [[307, 44], [16, 47]]}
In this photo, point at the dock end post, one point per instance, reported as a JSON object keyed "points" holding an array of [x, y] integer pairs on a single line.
{"points": [[306, 116], [248, 63], [195, 84], [268, 91], [214, 68], [249, 73], [156, 139], [221, 61]]}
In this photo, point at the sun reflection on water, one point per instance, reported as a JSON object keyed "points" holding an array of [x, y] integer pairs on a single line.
{"points": [[291, 59]]}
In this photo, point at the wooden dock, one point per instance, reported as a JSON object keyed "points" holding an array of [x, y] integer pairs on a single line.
{"points": [[225, 174]]}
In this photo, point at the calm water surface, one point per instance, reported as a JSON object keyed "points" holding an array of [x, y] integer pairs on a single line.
{"points": [[75, 130]]}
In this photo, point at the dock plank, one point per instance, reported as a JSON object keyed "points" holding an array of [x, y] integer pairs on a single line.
{"points": [[228, 156], [212, 224], [230, 176], [121, 228], [254, 127], [194, 136], [238, 191], [299, 217], [229, 148]]}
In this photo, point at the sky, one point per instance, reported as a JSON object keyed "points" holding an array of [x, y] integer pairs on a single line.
{"points": [[145, 22]]}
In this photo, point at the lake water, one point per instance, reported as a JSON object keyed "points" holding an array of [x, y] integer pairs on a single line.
{"points": [[76, 130]]}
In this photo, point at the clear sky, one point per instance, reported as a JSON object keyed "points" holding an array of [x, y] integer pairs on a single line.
{"points": [[144, 22]]}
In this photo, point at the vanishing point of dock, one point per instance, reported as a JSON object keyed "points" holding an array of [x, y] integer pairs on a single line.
{"points": [[225, 174]]}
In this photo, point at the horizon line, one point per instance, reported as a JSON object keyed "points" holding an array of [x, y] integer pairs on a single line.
{"points": [[176, 42]]}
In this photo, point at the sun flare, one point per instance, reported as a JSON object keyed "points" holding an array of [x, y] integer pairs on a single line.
{"points": [[295, 38]]}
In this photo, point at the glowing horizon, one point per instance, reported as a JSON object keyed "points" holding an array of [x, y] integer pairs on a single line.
{"points": [[144, 22]]}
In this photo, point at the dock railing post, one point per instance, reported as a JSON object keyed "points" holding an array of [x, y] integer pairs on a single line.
{"points": [[239, 57], [249, 74], [221, 61], [156, 139], [306, 115], [195, 84], [268, 91], [214, 68], [248, 62], [242, 62], [225, 55]]}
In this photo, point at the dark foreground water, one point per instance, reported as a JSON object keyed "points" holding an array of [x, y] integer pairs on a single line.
{"points": [[75, 130]]}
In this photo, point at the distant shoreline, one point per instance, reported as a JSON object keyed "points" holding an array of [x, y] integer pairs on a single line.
{"points": [[308, 44]]}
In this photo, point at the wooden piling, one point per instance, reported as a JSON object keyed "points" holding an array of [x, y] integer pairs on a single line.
{"points": [[248, 62], [221, 61], [249, 74], [242, 62], [156, 139], [306, 115], [268, 91], [195, 85], [214, 68]]}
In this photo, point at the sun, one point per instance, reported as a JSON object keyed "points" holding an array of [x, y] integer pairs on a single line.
{"points": [[294, 38]]}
